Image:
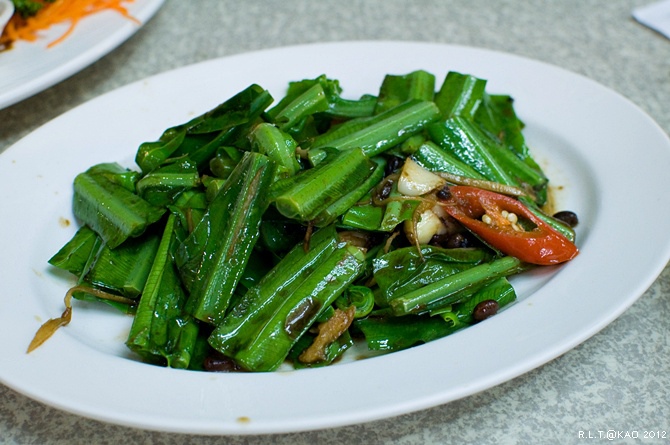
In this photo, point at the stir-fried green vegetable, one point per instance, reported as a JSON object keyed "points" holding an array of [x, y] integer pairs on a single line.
{"points": [[254, 235]]}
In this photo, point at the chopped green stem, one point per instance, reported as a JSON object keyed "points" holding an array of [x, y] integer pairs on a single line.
{"points": [[460, 95], [258, 303], [162, 185], [266, 328], [277, 145], [361, 297], [461, 139], [200, 137], [395, 89], [75, 255], [307, 194], [311, 101], [446, 291], [470, 144], [212, 259], [339, 207], [460, 314], [432, 157], [389, 129], [110, 209], [126, 268], [160, 306], [364, 217]]}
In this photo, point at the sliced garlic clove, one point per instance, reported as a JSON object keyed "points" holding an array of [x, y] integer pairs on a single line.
{"points": [[428, 225], [415, 180]]}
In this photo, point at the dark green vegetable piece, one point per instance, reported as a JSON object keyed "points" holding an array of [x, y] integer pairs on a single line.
{"points": [[277, 145], [365, 217], [115, 173], [258, 265], [406, 270], [465, 141], [397, 333], [212, 259], [311, 101], [212, 186], [330, 214], [200, 137], [469, 143], [28, 8], [111, 210], [263, 326], [460, 95], [190, 207], [496, 115], [311, 192], [261, 301], [434, 158], [124, 270], [460, 315], [386, 130], [160, 332], [118, 272], [224, 162], [396, 212], [382, 215], [410, 145], [361, 297], [161, 186], [395, 90], [75, 256], [453, 288], [325, 92], [279, 234], [151, 155]]}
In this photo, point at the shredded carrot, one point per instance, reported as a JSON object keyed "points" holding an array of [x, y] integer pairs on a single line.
{"points": [[59, 11]]}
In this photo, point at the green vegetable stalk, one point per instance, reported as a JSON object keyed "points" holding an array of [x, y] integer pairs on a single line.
{"points": [[308, 194], [468, 142], [110, 209], [406, 270], [262, 328], [159, 331], [387, 129], [212, 259], [460, 95], [200, 137], [277, 145], [417, 85], [453, 288]]}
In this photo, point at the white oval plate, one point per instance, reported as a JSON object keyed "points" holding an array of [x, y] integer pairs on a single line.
{"points": [[30, 67], [608, 158]]}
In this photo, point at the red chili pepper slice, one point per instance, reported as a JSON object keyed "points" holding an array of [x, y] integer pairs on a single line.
{"points": [[541, 245]]}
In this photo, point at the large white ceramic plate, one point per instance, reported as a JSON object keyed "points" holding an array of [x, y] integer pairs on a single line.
{"points": [[31, 67], [607, 157]]}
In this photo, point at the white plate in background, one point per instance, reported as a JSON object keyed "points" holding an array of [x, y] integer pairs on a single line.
{"points": [[6, 12], [30, 67]]}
